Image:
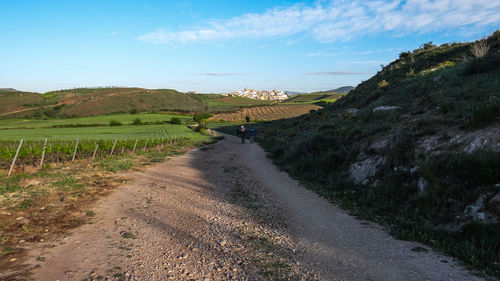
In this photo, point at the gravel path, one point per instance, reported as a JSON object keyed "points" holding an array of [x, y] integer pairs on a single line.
{"points": [[224, 212]]}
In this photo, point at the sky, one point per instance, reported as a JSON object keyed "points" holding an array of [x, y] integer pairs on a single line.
{"points": [[221, 46]]}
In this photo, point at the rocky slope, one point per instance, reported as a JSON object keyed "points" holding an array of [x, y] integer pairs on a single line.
{"points": [[416, 147]]}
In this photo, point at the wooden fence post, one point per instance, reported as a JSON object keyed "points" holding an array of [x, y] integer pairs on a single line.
{"points": [[43, 153], [95, 151], [146, 144], [113, 149], [76, 148], [135, 145], [15, 157]]}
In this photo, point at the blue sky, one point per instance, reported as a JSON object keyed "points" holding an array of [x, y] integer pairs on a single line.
{"points": [[220, 46]]}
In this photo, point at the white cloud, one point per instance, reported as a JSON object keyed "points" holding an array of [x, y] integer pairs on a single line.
{"points": [[341, 20]]}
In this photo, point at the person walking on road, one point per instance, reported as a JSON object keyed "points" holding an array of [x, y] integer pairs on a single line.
{"points": [[252, 134], [243, 133]]}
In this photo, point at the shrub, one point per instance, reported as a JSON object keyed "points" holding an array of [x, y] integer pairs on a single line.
{"points": [[198, 118], [175, 120], [479, 65], [134, 111], [383, 83], [115, 123], [483, 113], [137, 121], [480, 48]]}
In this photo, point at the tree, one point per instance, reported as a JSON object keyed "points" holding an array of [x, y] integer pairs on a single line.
{"points": [[247, 118]]}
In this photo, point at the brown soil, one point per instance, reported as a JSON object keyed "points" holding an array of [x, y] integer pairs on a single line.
{"points": [[225, 212]]}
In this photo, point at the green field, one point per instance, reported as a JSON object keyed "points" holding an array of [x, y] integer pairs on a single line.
{"points": [[218, 103], [125, 119], [314, 98], [107, 132]]}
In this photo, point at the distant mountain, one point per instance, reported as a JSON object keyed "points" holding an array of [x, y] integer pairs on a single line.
{"points": [[8, 90], [291, 93], [341, 90]]}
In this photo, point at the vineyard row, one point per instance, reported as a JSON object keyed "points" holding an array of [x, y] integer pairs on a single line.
{"points": [[36, 153]]}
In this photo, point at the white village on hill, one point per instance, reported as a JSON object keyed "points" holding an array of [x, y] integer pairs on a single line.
{"points": [[259, 95]]}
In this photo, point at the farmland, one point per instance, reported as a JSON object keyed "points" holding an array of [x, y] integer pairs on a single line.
{"points": [[125, 119], [314, 98], [264, 113]]}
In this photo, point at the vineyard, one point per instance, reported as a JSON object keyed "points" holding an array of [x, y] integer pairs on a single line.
{"points": [[265, 113], [36, 153]]}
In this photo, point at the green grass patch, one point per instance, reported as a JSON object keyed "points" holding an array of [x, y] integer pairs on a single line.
{"points": [[98, 120], [115, 164], [96, 133]]}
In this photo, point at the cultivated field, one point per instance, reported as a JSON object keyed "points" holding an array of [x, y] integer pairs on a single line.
{"points": [[314, 98], [264, 113], [125, 119]]}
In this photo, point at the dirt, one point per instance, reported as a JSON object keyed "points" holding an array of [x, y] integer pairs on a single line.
{"points": [[224, 212]]}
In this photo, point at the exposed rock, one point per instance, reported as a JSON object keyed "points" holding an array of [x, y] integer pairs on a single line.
{"points": [[438, 80], [476, 210], [479, 142], [401, 169], [380, 145], [494, 204], [428, 144], [385, 108], [422, 185], [360, 171], [352, 111], [415, 170]]}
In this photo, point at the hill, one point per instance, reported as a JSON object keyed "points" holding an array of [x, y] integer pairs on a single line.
{"points": [[342, 90], [102, 101], [415, 147], [8, 90]]}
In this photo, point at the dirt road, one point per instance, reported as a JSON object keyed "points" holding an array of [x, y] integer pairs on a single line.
{"points": [[224, 212]]}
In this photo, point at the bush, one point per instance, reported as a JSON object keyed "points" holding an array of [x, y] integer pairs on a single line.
{"points": [[383, 83], [137, 121], [175, 120], [134, 111], [115, 123], [483, 113], [479, 65], [198, 118]]}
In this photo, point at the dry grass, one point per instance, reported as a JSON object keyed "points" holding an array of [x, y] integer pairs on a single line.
{"points": [[480, 48]]}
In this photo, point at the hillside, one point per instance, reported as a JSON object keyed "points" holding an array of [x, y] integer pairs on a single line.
{"points": [[341, 90], [317, 97], [8, 90], [415, 148], [103, 101], [265, 113]]}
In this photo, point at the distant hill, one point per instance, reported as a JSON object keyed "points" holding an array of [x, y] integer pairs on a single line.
{"points": [[100, 101], [341, 90], [8, 90], [291, 93]]}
